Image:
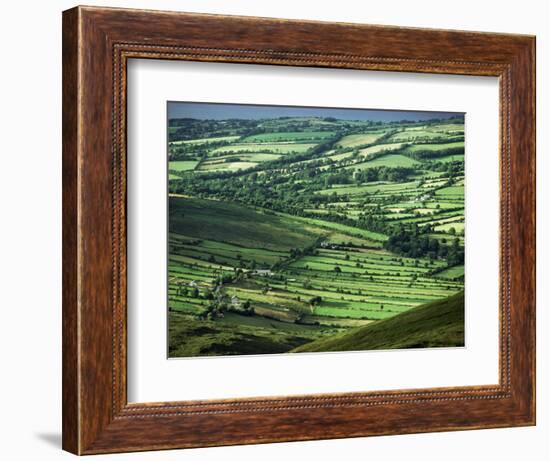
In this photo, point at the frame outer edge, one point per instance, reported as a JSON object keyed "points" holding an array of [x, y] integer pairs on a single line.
{"points": [[522, 210], [528, 149], [90, 420], [533, 56], [70, 177]]}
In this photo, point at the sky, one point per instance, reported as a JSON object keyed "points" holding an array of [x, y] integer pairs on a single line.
{"points": [[214, 111]]}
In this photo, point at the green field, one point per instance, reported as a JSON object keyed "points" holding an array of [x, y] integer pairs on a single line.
{"points": [[205, 140], [314, 234], [389, 160], [367, 151], [414, 148], [453, 273], [354, 140], [289, 136], [227, 166], [451, 158], [182, 165], [413, 135], [227, 222], [276, 148], [437, 324]]}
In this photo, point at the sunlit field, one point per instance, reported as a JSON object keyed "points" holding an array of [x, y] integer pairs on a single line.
{"points": [[314, 233]]}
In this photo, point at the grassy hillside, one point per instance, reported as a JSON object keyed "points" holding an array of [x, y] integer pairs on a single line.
{"points": [[236, 335], [232, 223], [437, 324], [285, 231]]}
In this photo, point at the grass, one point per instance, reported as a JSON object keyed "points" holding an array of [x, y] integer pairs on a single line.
{"points": [[433, 147], [372, 188], [451, 158], [451, 273], [437, 324], [451, 192], [277, 148], [419, 134], [381, 288], [234, 335], [367, 151], [457, 226], [338, 157], [354, 140], [260, 157], [227, 222], [222, 160], [451, 128], [227, 166], [389, 160], [289, 136], [342, 228], [313, 276], [206, 140], [225, 253], [182, 165]]}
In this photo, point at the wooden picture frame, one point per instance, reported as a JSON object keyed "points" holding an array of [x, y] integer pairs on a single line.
{"points": [[97, 43]]}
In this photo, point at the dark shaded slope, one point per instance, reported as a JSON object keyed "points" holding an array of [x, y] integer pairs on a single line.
{"points": [[437, 324]]}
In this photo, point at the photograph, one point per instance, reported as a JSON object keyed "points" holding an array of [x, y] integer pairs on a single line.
{"points": [[275, 224], [313, 229]]}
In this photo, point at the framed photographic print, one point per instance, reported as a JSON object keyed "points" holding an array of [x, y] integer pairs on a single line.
{"points": [[285, 230]]}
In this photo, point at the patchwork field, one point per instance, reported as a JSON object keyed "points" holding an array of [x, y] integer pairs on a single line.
{"points": [[388, 160], [182, 165], [287, 232], [354, 140], [267, 147], [289, 136]]}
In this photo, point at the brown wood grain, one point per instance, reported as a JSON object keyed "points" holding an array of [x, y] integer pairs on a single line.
{"points": [[97, 43], [70, 383]]}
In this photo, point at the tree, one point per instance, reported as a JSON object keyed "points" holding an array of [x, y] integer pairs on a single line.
{"points": [[247, 307], [316, 300], [337, 269]]}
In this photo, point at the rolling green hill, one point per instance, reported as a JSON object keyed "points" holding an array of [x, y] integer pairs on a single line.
{"points": [[311, 233], [437, 324], [235, 224]]}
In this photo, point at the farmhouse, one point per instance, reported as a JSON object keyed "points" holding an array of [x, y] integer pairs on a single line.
{"points": [[235, 301], [422, 198]]}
